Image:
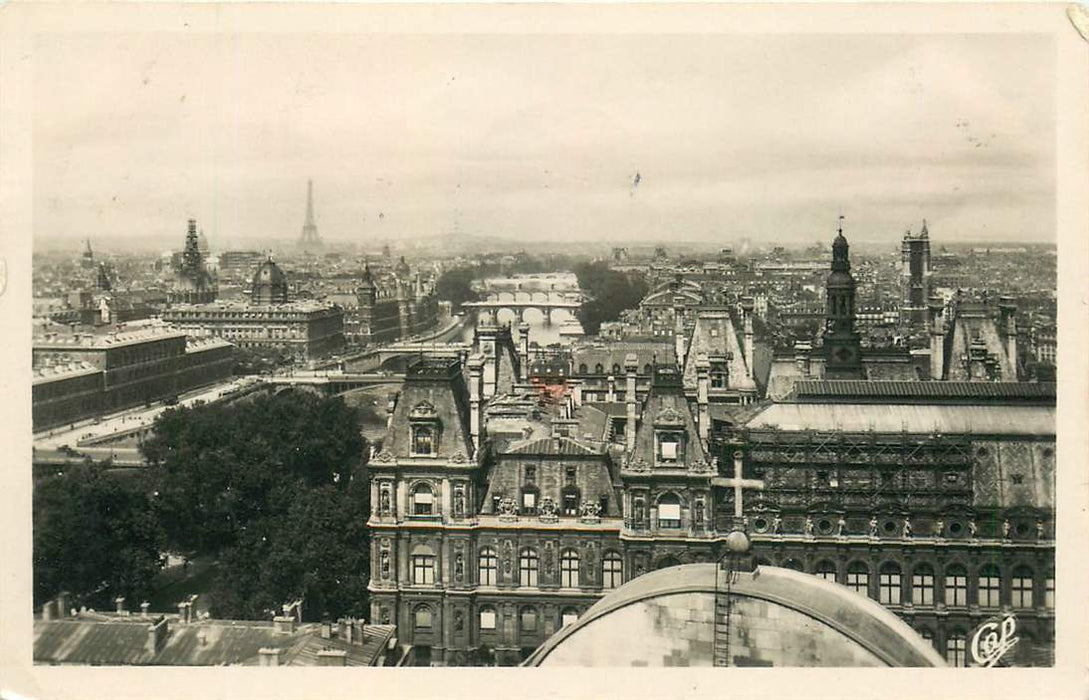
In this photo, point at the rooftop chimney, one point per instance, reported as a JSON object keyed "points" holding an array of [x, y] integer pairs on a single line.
{"points": [[476, 396], [326, 629], [144, 607], [156, 635], [47, 610], [119, 601], [332, 657], [747, 307], [631, 363], [284, 624], [269, 656], [937, 346], [703, 385]]}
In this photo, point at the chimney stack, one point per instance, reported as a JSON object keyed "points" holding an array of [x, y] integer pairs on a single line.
{"points": [[144, 607], [523, 339], [703, 385], [284, 624], [678, 333], [332, 657], [269, 656], [62, 603], [937, 346], [476, 402], [119, 601], [156, 635], [801, 358], [631, 363], [47, 610], [1008, 310], [347, 626], [747, 307]]}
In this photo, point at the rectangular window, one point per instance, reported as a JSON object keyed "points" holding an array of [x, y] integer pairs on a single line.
{"points": [[488, 567], [423, 569], [956, 650], [956, 590], [569, 476], [529, 500], [612, 574], [922, 589], [668, 451], [1021, 592], [889, 591], [859, 581], [570, 503], [989, 591], [1049, 593], [669, 515], [487, 619]]}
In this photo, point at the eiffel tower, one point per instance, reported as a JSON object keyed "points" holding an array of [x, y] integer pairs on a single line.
{"points": [[309, 241]]}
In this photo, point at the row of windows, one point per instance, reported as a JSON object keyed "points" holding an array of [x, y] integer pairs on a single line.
{"points": [[612, 568], [528, 617], [955, 584]]}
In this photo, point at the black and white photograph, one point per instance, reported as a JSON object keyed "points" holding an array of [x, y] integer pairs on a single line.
{"points": [[553, 337]]}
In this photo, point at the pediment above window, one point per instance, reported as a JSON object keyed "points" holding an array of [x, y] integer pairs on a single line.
{"points": [[424, 410], [669, 416]]}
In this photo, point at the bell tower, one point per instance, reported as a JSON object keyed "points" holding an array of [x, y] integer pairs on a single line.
{"points": [[842, 344]]}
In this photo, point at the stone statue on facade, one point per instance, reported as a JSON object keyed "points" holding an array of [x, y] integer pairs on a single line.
{"points": [[699, 515], [1040, 533], [383, 503], [907, 527], [1005, 529], [459, 503], [508, 508], [547, 509], [777, 525], [809, 526], [972, 529], [459, 567], [590, 510], [841, 527], [873, 526], [939, 528]]}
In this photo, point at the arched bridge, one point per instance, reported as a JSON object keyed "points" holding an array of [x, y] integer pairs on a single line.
{"points": [[519, 308]]}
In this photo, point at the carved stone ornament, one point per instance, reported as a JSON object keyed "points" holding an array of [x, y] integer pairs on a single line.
{"points": [[384, 456], [459, 458], [590, 510], [639, 465], [508, 508], [548, 509], [424, 409], [669, 416]]}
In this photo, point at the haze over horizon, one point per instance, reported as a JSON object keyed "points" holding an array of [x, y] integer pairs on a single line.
{"points": [[545, 137]]}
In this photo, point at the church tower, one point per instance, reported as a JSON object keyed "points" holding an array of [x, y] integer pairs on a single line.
{"points": [[915, 279], [309, 242], [842, 345]]}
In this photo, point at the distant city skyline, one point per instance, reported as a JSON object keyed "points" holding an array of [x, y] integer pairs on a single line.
{"points": [[544, 138]]}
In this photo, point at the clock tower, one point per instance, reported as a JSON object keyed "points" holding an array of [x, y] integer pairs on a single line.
{"points": [[843, 353]]}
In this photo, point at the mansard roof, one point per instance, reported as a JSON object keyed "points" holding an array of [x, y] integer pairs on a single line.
{"points": [[433, 390], [554, 446], [944, 419], [715, 334], [666, 407]]}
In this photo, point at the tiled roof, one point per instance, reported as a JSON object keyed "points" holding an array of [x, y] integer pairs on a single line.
{"points": [[563, 446], [946, 419], [929, 390]]}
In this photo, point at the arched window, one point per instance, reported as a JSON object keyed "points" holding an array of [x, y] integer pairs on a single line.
{"points": [[666, 562], [858, 578], [956, 585], [792, 564], [1021, 587], [669, 511], [423, 500], [922, 585], [956, 648], [487, 618], [569, 568], [616, 370], [488, 566], [612, 570], [826, 570], [989, 586], [568, 616], [421, 616], [527, 617], [888, 583], [528, 562], [647, 370], [582, 368], [599, 368]]}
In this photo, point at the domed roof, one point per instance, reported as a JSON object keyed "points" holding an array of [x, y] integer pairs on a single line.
{"points": [[269, 272], [269, 284], [787, 618]]}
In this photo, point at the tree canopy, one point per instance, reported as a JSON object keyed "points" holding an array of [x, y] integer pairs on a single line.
{"points": [[95, 536], [609, 292]]}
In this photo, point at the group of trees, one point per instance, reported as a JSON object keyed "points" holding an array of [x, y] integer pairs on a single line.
{"points": [[609, 291], [271, 489]]}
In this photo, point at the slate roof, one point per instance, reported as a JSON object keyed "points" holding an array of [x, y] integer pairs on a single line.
{"points": [[666, 398], [613, 354], [433, 385], [934, 391], [113, 640], [715, 334], [553, 446], [946, 419]]}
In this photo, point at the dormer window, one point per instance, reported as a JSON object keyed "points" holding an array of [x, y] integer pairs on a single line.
{"points": [[529, 500], [423, 440], [670, 447]]}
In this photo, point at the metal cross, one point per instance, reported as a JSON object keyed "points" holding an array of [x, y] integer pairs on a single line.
{"points": [[737, 483]]}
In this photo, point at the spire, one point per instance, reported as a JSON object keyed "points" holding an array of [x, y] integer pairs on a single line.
{"points": [[840, 260], [309, 203], [924, 233]]}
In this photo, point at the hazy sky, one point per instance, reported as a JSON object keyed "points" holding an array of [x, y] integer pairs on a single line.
{"points": [[542, 136]]}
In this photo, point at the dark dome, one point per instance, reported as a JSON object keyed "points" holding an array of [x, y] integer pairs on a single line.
{"points": [[269, 284]]}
